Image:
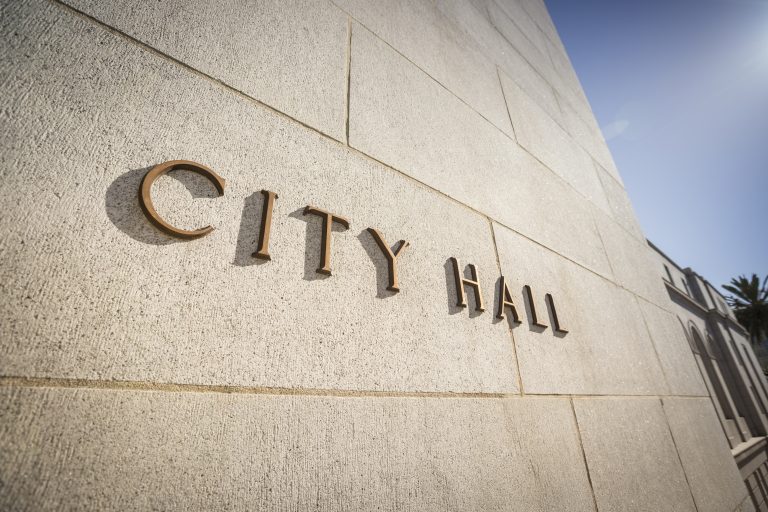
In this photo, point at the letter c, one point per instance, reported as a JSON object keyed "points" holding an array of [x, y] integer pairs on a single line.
{"points": [[145, 198]]}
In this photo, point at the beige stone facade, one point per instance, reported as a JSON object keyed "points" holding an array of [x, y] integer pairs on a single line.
{"points": [[142, 372]]}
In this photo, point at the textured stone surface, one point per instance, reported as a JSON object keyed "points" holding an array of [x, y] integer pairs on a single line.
{"points": [[589, 137], [712, 473], [620, 207], [435, 44], [547, 141], [119, 300], [401, 116], [537, 10], [249, 385], [677, 362], [292, 55], [607, 349], [632, 261], [525, 24], [256, 452], [523, 39], [474, 21], [562, 65], [512, 33], [631, 457]]}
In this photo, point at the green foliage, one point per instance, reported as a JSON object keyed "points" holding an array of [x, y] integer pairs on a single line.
{"points": [[749, 301]]}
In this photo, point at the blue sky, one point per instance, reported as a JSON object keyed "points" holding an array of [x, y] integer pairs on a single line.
{"points": [[680, 89]]}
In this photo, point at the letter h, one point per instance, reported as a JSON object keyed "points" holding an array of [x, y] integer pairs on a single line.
{"points": [[461, 281]]}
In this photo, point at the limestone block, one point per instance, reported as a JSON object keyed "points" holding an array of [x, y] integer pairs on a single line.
{"points": [[607, 349], [90, 290], [401, 116], [677, 360], [291, 55], [138, 450], [538, 12], [509, 28], [635, 267], [547, 141], [476, 25], [620, 206], [432, 41], [524, 23], [712, 473], [516, 44], [564, 69], [631, 457], [584, 130], [580, 118]]}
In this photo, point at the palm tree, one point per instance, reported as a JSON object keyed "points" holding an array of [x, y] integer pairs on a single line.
{"points": [[750, 304]]}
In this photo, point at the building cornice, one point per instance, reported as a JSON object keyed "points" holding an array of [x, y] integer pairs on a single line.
{"points": [[704, 311]]}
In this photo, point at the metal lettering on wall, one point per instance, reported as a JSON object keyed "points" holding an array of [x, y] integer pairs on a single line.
{"points": [[505, 301]]}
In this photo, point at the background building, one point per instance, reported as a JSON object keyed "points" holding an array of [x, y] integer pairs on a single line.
{"points": [[142, 371], [731, 372]]}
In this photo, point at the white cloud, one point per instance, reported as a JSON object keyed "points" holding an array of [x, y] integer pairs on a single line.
{"points": [[614, 129]]}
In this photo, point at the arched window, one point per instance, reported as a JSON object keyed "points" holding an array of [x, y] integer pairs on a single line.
{"points": [[711, 370], [693, 346]]}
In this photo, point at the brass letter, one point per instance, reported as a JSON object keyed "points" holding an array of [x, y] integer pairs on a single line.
{"points": [[461, 281], [325, 243], [529, 297], [551, 305], [145, 197], [266, 225], [505, 300], [391, 257]]}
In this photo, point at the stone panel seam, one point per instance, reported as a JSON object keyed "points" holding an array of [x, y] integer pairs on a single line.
{"points": [[118, 385], [506, 104], [522, 33], [505, 134], [504, 13], [509, 329], [572, 101], [486, 15], [185, 66], [520, 54], [619, 225], [602, 168], [567, 79], [241, 94], [583, 454], [348, 81], [500, 223], [549, 51], [614, 276], [677, 452], [677, 316], [567, 134], [614, 279], [559, 97], [653, 343], [602, 172], [668, 308], [536, 22], [438, 82]]}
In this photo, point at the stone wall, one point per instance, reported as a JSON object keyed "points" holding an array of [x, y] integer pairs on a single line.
{"points": [[139, 371]]}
